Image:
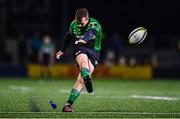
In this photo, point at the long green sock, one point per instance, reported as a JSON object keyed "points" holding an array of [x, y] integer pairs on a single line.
{"points": [[73, 96], [85, 72]]}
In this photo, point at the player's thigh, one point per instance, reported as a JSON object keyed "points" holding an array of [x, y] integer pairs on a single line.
{"points": [[82, 58]]}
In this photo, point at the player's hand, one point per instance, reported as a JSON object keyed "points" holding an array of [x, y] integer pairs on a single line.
{"points": [[80, 42], [59, 54]]}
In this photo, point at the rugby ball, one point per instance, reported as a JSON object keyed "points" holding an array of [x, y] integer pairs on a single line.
{"points": [[138, 35]]}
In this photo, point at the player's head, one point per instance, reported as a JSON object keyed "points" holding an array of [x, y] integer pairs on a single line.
{"points": [[82, 17], [47, 39]]}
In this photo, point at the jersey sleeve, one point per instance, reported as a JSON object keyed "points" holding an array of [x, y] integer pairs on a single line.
{"points": [[66, 42], [68, 37], [72, 25]]}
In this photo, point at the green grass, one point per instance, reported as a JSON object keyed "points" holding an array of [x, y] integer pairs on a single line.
{"points": [[25, 98]]}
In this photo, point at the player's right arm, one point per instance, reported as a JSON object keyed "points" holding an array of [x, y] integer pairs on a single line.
{"points": [[66, 42]]}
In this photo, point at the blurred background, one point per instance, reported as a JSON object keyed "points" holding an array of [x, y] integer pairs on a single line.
{"points": [[26, 24]]}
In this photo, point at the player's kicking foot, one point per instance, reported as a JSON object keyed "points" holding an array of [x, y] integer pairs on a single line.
{"points": [[88, 84], [67, 108]]}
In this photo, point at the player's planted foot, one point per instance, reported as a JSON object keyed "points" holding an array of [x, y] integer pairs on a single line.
{"points": [[88, 84], [67, 108]]}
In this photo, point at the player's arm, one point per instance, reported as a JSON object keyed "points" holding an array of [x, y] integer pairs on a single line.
{"points": [[66, 42], [88, 36]]}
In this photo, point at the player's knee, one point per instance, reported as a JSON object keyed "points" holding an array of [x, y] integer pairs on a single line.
{"points": [[84, 65]]}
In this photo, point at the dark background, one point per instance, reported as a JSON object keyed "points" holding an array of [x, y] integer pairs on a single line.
{"points": [[160, 17]]}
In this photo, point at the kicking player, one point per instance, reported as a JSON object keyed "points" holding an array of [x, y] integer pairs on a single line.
{"points": [[86, 34]]}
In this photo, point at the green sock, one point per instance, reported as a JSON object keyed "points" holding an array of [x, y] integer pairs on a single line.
{"points": [[73, 96], [85, 72]]}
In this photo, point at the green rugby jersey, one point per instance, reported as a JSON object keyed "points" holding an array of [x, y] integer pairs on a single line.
{"points": [[78, 32]]}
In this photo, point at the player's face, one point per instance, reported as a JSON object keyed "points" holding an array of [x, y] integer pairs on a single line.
{"points": [[47, 40], [83, 22]]}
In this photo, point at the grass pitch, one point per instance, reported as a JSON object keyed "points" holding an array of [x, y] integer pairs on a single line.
{"points": [[25, 98]]}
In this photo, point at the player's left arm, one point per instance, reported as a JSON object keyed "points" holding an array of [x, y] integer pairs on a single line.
{"points": [[89, 35]]}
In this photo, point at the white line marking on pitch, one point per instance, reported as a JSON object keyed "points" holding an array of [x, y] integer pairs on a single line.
{"points": [[134, 113], [21, 88], [153, 97], [111, 97]]}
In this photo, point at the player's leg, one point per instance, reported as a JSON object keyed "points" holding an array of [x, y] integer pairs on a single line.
{"points": [[75, 92], [49, 75], [83, 62], [80, 82], [47, 72], [91, 66], [43, 72], [45, 65]]}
